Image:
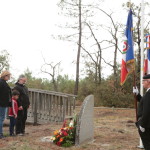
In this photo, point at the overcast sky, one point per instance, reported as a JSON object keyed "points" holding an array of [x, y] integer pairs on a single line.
{"points": [[25, 32]]}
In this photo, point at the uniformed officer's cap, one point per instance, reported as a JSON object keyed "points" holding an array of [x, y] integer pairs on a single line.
{"points": [[146, 76]]}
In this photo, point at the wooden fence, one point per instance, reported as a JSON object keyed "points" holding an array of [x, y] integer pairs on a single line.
{"points": [[49, 106]]}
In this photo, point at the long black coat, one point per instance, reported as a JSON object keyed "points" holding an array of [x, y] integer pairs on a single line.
{"points": [[144, 110], [5, 93], [24, 95]]}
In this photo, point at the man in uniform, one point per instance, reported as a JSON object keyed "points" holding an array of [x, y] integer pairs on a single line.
{"points": [[143, 122]]}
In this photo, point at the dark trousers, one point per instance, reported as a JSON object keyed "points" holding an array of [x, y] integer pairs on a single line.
{"points": [[21, 121], [145, 136], [12, 125]]}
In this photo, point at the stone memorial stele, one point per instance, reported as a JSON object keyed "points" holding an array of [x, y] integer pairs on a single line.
{"points": [[85, 122]]}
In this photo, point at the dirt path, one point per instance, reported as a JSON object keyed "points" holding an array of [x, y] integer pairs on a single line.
{"points": [[114, 130]]}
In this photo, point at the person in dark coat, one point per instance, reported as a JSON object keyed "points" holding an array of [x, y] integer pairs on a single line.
{"points": [[5, 98], [23, 104], [143, 122]]}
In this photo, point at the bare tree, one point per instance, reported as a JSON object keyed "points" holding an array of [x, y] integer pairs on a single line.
{"points": [[78, 11], [113, 31], [96, 57], [52, 70], [4, 60]]}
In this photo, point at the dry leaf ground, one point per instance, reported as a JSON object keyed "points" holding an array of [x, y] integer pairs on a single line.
{"points": [[114, 129]]}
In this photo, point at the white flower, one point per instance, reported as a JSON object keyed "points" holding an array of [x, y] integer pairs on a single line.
{"points": [[71, 123]]}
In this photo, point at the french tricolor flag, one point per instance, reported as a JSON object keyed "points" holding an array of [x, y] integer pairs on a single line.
{"points": [[127, 65], [147, 56]]}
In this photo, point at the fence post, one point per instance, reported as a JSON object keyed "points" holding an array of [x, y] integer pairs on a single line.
{"points": [[36, 97], [64, 107], [74, 103]]}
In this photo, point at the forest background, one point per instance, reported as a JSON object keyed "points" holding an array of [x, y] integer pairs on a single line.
{"points": [[96, 34]]}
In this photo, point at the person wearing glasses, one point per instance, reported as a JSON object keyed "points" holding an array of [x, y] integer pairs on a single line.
{"points": [[5, 98], [23, 104], [143, 122]]}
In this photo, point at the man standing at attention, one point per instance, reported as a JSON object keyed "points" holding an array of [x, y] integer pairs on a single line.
{"points": [[23, 104], [143, 122]]}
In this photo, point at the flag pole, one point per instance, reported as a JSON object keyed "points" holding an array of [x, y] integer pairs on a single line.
{"points": [[142, 57], [135, 98], [142, 47]]}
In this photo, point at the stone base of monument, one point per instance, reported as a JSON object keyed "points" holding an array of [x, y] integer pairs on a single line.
{"points": [[47, 139], [85, 122]]}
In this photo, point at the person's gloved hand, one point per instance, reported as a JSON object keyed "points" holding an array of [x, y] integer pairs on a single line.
{"points": [[142, 129], [135, 90]]}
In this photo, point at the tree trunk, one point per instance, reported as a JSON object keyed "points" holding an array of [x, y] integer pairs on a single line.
{"points": [[78, 54], [96, 72], [115, 66], [99, 66], [55, 85]]}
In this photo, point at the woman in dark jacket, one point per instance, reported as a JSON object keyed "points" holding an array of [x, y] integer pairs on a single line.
{"points": [[5, 97]]}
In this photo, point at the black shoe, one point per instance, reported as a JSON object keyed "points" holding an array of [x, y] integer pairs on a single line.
{"points": [[1, 136], [12, 134], [25, 133]]}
